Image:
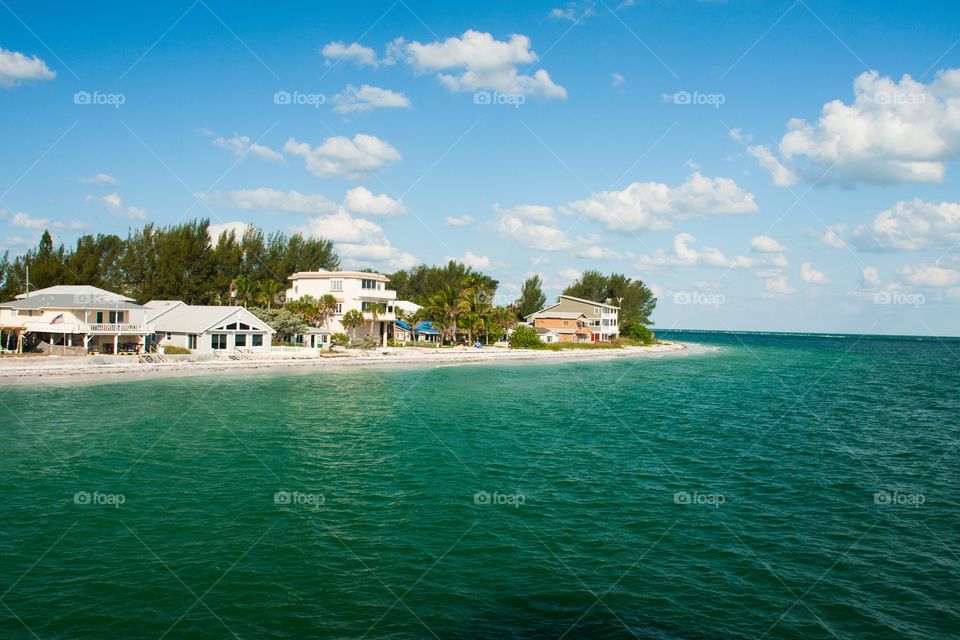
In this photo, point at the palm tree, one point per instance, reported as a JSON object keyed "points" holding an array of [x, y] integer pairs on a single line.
{"points": [[443, 308], [243, 289], [351, 320], [268, 290], [327, 307]]}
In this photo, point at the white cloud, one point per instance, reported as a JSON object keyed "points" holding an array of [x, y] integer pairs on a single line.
{"points": [[16, 68], [342, 156], [911, 225], [779, 173], [532, 226], [617, 80], [360, 241], [354, 52], [570, 13], [26, 221], [361, 200], [241, 146], [766, 244], [654, 205], [603, 253], [810, 275], [100, 178], [929, 275], [115, 205], [891, 132], [266, 199], [831, 237], [477, 61], [684, 255], [458, 221], [472, 260], [216, 230], [569, 274], [778, 285], [870, 278], [367, 97]]}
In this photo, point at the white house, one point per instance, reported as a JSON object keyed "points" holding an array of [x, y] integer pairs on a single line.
{"points": [[73, 320], [207, 329], [602, 319], [353, 290]]}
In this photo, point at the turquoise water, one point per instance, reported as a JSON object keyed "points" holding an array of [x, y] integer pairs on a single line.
{"points": [[778, 486]]}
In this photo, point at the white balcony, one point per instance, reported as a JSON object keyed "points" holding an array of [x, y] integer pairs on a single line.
{"points": [[118, 328]]}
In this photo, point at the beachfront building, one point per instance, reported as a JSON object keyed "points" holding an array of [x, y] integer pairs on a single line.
{"points": [[73, 320], [357, 290], [207, 329], [602, 319], [561, 326]]}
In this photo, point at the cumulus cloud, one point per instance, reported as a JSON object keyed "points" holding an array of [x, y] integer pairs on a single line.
{"points": [[766, 244], [603, 253], [569, 274], [929, 275], [115, 205], [533, 226], [354, 52], [271, 200], [472, 260], [458, 221], [892, 132], [911, 225], [358, 240], [345, 157], [366, 98], [777, 285], [216, 230], [810, 275], [241, 146], [26, 221], [362, 200], [685, 255], [655, 206], [870, 278], [16, 68], [832, 238], [100, 178], [477, 61]]}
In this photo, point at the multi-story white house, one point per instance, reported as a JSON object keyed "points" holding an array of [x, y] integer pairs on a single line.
{"points": [[74, 319], [353, 290], [602, 318]]}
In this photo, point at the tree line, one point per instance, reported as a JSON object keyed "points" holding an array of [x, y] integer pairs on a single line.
{"points": [[173, 262]]}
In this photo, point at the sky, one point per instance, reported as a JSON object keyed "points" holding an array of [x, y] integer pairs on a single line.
{"points": [[761, 165]]}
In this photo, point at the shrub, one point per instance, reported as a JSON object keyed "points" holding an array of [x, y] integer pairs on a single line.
{"points": [[175, 351], [638, 332], [525, 338], [339, 340], [366, 342]]}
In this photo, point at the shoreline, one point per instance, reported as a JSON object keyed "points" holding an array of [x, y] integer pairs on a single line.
{"points": [[16, 374]]}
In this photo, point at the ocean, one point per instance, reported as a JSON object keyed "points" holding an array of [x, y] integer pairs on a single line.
{"points": [[756, 486]]}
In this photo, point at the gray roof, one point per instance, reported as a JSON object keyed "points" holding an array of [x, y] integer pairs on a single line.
{"points": [[596, 304], [177, 317], [544, 330], [563, 315], [71, 297]]}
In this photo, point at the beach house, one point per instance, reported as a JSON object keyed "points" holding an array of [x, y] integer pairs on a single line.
{"points": [[561, 326], [207, 329], [73, 320], [353, 290], [601, 319]]}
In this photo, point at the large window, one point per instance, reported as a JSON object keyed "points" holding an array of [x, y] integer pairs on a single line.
{"points": [[218, 341], [368, 283], [256, 340], [240, 340], [191, 342], [336, 285]]}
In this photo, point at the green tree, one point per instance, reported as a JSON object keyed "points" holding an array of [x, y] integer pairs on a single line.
{"points": [[285, 322], [351, 320], [524, 337], [634, 298], [531, 297]]}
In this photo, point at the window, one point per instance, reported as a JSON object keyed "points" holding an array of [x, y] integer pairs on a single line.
{"points": [[256, 340], [99, 317], [116, 317], [336, 285], [240, 340], [596, 311], [368, 283], [218, 341], [244, 327], [566, 323], [191, 342], [169, 335], [339, 308], [232, 326]]}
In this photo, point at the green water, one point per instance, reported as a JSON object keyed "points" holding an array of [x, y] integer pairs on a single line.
{"points": [[730, 492]]}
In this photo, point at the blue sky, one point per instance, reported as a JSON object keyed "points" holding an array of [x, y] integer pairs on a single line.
{"points": [[762, 165]]}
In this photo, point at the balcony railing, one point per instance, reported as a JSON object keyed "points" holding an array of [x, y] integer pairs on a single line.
{"points": [[105, 327]]}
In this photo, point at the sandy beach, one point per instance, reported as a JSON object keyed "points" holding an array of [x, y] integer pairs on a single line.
{"points": [[20, 371]]}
